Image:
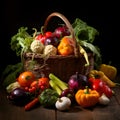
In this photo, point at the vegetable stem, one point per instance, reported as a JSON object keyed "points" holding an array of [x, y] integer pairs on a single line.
{"points": [[87, 90]]}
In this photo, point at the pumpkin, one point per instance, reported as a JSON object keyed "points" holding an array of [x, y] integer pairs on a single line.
{"points": [[87, 97]]}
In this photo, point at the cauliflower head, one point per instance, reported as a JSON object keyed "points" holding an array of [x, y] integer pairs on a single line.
{"points": [[50, 50], [37, 46]]}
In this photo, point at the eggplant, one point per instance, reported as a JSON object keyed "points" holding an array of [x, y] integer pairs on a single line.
{"points": [[19, 96]]}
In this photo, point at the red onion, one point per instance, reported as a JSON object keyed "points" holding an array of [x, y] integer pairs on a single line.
{"points": [[77, 81]]}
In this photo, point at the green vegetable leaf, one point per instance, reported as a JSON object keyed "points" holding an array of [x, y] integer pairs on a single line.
{"points": [[83, 31], [10, 73], [85, 36], [21, 41]]}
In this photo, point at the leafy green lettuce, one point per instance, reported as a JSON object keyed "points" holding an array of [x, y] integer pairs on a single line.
{"points": [[85, 36], [21, 41]]}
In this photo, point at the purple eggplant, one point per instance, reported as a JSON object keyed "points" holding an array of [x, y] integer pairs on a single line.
{"points": [[19, 96]]}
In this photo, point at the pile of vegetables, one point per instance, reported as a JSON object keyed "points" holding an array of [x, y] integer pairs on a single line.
{"points": [[52, 92], [25, 89]]}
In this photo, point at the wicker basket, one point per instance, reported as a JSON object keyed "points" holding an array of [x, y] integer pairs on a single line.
{"points": [[62, 66]]}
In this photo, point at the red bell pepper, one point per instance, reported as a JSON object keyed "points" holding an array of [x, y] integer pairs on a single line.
{"points": [[101, 87]]}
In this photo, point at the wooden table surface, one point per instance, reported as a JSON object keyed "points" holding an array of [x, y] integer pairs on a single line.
{"points": [[99, 112]]}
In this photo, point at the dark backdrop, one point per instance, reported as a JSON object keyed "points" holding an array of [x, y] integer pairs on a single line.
{"points": [[32, 13]]}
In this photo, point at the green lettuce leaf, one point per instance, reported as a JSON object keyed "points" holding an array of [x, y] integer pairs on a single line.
{"points": [[85, 36]]}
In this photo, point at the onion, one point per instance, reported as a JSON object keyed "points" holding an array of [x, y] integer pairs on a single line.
{"points": [[73, 84], [77, 81], [61, 31]]}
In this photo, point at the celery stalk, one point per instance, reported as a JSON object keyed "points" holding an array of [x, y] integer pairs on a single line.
{"points": [[55, 87], [62, 85]]}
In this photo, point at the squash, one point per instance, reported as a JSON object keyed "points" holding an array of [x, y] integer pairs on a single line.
{"points": [[87, 97]]}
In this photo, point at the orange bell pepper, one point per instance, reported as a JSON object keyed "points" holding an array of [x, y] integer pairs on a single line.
{"points": [[66, 46]]}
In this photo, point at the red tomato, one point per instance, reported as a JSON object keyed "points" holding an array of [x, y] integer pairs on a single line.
{"points": [[38, 37], [26, 78], [34, 83], [42, 37], [39, 85], [48, 34]]}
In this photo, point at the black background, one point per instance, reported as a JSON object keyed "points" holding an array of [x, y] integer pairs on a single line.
{"points": [[32, 13]]}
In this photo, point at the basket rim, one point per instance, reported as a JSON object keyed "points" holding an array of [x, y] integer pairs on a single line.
{"points": [[36, 55]]}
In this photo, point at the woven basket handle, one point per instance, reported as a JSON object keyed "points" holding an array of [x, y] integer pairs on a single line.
{"points": [[67, 24]]}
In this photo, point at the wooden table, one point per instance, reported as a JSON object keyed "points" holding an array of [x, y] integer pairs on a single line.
{"points": [[99, 112]]}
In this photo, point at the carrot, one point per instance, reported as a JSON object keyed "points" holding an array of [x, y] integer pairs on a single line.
{"points": [[31, 104]]}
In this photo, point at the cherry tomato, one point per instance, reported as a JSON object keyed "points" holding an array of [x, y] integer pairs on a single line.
{"points": [[39, 85], [44, 81]]}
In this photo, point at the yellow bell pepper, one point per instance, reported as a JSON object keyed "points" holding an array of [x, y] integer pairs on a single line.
{"points": [[99, 74], [109, 71]]}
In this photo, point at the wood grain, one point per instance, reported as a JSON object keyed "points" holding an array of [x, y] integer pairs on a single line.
{"points": [[9, 111]]}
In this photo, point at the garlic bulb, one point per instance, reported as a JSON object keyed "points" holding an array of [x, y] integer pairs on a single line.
{"points": [[63, 103], [103, 99]]}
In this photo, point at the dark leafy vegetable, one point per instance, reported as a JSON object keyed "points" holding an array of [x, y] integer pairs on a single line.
{"points": [[84, 31], [10, 73]]}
